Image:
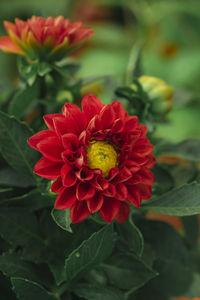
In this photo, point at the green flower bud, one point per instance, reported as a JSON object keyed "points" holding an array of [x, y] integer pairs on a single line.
{"points": [[159, 94]]}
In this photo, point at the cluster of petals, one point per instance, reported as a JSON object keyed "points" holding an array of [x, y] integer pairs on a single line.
{"points": [[40, 38], [64, 149]]}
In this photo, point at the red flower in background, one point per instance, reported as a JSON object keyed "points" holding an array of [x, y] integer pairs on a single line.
{"points": [[100, 158], [40, 38]]}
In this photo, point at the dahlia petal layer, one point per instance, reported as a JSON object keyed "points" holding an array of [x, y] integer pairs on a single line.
{"points": [[40, 38], [99, 157]]}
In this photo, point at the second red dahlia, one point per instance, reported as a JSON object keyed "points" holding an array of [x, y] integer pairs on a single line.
{"points": [[100, 158]]}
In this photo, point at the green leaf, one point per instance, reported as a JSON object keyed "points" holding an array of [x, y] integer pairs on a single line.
{"points": [[7, 90], [10, 177], [181, 201], [127, 272], [67, 70], [20, 228], [3, 190], [134, 64], [29, 290], [132, 236], [11, 265], [191, 229], [14, 146], [164, 180], [91, 292], [23, 100], [171, 261], [164, 240], [31, 201], [97, 277], [57, 268], [6, 289], [194, 289], [174, 277], [44, 68], [90, 253], [62, 218], [28, 71], [188, 149], [148, 255], [182, 174]]}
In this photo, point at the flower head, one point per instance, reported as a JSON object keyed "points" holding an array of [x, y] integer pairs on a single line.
{"points": [[40, 38], [99, 157]]}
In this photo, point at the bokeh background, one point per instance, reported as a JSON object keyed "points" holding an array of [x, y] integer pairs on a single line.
{"points": [[168, 32]]}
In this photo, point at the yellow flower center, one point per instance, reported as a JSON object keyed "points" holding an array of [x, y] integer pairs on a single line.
{"points": [[102, 155]]}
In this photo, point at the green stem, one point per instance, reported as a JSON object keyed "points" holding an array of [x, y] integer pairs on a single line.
{"points": [[42, 95]]}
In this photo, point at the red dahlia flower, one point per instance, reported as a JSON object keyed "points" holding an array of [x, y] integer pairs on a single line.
{"points": [[39, 38], [100, 158]]}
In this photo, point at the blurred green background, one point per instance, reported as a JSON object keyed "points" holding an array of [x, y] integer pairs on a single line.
{"points": [[169, 32]]}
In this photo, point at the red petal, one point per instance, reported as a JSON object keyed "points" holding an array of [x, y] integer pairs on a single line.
{"points": [[11, 27], [136, 178], [95, 124], [38, 137], [147, 176], [142, 147], [110, 191], [151, 161], [110, 209], [72, 28], [62, 125], [20, 24], [84, 137], [145, 190], [37, 31], [123, 213], [120, 112], [68, 157], [85, 191], [85, 174], [75, 117], [132, 166], [131, 123], [118, 126], [51, 148], [91, 106], [81, 159], [56, 185], [140, 160], [66, 198], [68, 175], [121, 192], [134, 195], [94, 204], [70, 141], [47, 168], [59, 21], [79, 211], [106, 117], [82, 33], [8, 45], [124, 175], [113, 173], [49, 120], [143, 129], [100, 183]]}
